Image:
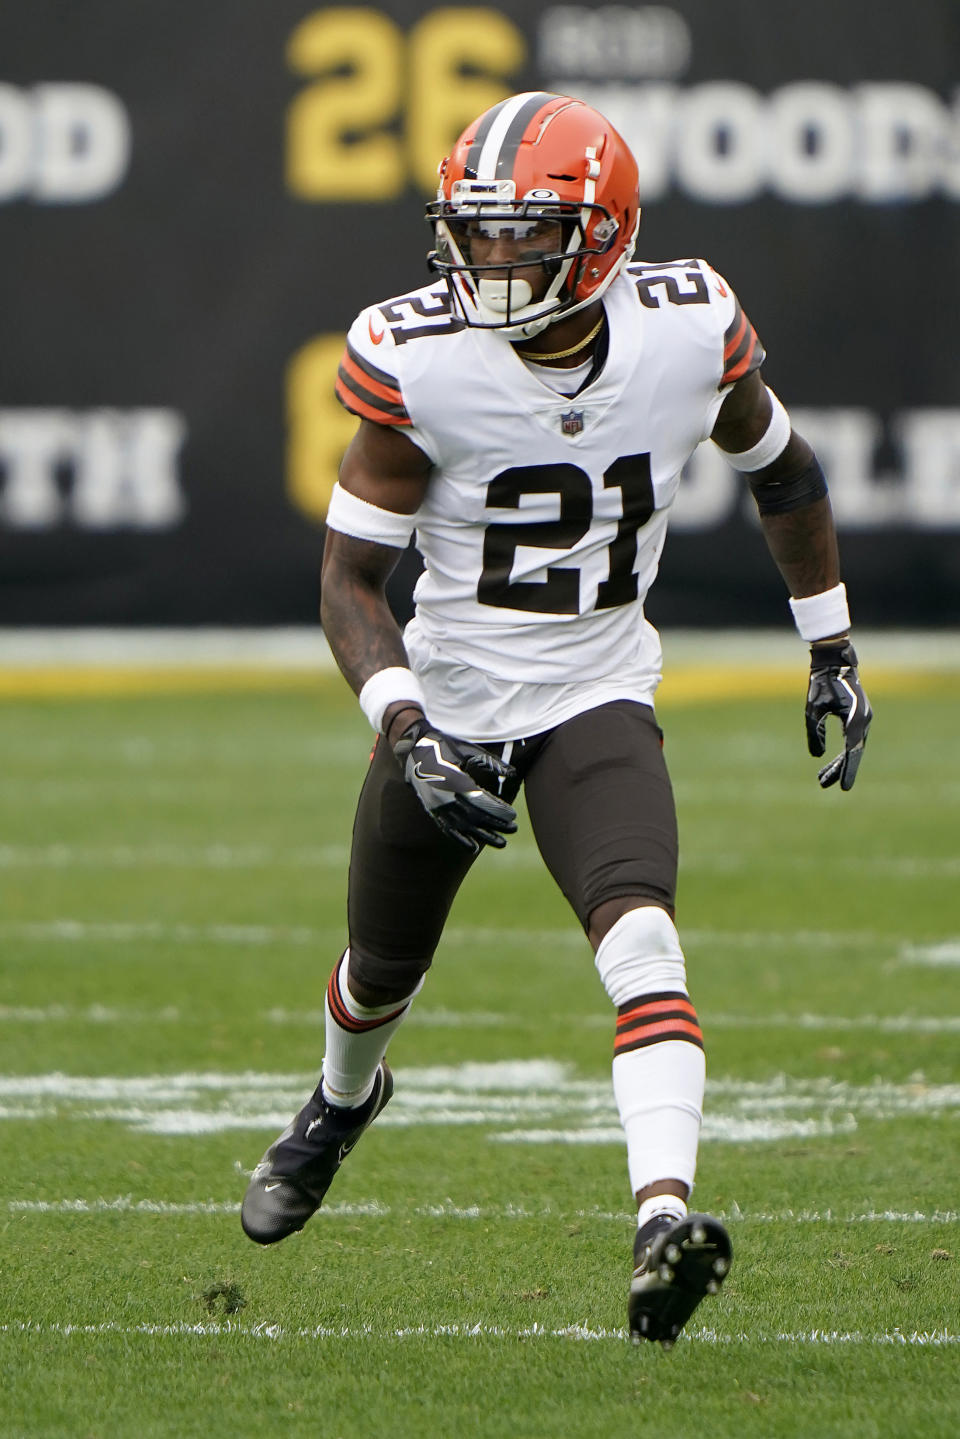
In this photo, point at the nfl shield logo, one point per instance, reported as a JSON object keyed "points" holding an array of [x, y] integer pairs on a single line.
{"points": [[572, 422]]}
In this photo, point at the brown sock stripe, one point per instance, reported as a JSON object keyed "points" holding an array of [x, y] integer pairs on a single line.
{"points": [[656, 1034], [655, 1006], [655, 1018], [345, 1019]]}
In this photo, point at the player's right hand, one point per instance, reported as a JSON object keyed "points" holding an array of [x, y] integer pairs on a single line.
{"points": [[448, 777]]}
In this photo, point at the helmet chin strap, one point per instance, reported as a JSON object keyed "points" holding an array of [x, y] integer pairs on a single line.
{"points": [[499, 297]]}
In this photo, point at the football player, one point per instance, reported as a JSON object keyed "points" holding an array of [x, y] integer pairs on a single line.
{"points": [[528, 416]]}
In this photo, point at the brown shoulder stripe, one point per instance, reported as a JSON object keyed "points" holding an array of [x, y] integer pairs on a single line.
{"points": [[379, 377], [742, 350], [369, 392]]}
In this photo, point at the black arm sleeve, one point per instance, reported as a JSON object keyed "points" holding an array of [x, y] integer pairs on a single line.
{"points": [[777, 494]]}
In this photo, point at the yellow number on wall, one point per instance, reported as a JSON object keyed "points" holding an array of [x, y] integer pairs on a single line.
{"points": [[443, 98], [368, 77], [336, 145], [318, 427]]}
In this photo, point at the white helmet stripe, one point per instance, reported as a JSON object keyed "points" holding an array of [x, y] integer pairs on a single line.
{"points": [[506, 132]]}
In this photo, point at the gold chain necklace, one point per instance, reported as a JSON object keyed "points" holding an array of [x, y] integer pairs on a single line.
{"points": [[565, 354]]}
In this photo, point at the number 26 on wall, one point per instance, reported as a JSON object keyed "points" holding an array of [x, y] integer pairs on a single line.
{"points": [[384, 107]]}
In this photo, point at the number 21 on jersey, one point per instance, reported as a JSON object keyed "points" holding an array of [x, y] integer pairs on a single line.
{"points": [[559, 593]]}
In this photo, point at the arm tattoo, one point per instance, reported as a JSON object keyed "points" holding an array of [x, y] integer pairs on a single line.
{"points": [[357, 621]]}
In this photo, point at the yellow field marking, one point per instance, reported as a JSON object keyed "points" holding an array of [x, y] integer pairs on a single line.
{"points": [[699, 684], [683, 685], [111, 682]]}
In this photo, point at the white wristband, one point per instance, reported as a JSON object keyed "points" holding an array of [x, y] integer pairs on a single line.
{"points": [[353, 516], [771, 443], [385, 688], [819, 616]]}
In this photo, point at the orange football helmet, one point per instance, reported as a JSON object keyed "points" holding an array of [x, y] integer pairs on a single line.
{"points": [[527, 163]]}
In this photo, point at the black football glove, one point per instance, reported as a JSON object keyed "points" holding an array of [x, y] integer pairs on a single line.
{"points": [[835, 690], [447, 776]]}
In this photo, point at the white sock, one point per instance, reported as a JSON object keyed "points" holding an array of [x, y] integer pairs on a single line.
{"points": [[357, 1037], [659, 1093], [658, 1066], [667, 1204]]}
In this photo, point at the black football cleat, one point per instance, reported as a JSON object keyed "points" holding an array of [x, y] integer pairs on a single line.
{"points": [[678, 1262], [291, 1179]]}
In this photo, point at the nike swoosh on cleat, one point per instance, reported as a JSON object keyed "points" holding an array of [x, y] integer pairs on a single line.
{"points": [[267, 1187]]}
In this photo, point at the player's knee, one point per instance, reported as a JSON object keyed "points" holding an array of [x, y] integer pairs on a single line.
{"points": [[608, 911], [374, 981], [641, 954]]}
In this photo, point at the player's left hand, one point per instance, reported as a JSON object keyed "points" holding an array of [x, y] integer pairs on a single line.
{"points": [[835, 689]]}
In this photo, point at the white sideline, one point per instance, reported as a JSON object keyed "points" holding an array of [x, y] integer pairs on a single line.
{"points": [[205, 648], [306, 648], [932, 1339]]}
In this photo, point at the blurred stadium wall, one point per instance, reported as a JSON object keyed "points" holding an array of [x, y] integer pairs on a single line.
{"points": [[196, 199]]}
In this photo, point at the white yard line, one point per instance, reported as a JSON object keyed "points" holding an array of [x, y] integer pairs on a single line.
{"points": [[75, 931], [89, 1014], [883, 1023], [212, 856], [514, 1101], [945, 953], [447, 1209], [488, 1019], [223, 856], [104, 1014], [424, 1017], [473, 1330], [71, 930]]}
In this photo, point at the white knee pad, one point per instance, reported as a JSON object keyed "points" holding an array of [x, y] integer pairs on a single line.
{"points": [[641, 954]]}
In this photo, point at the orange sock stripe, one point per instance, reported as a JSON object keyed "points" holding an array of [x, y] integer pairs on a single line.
{"points": [[656, 1033], [678, 1006], [665, 1026]]}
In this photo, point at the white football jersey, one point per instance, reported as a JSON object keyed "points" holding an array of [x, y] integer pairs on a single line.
{"points": [[545, 515]]}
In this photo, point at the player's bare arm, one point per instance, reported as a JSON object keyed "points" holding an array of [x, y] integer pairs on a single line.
{"points": [[387, 470], [789, 486], [802, 540], [451, 778]]}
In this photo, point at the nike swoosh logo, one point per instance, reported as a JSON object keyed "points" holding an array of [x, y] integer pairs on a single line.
{"points": [[425, 774], [721, 288], [372, 332], [267, 1187]]}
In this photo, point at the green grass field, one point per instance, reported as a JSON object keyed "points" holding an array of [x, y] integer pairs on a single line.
{"points": [[173, 874]]}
